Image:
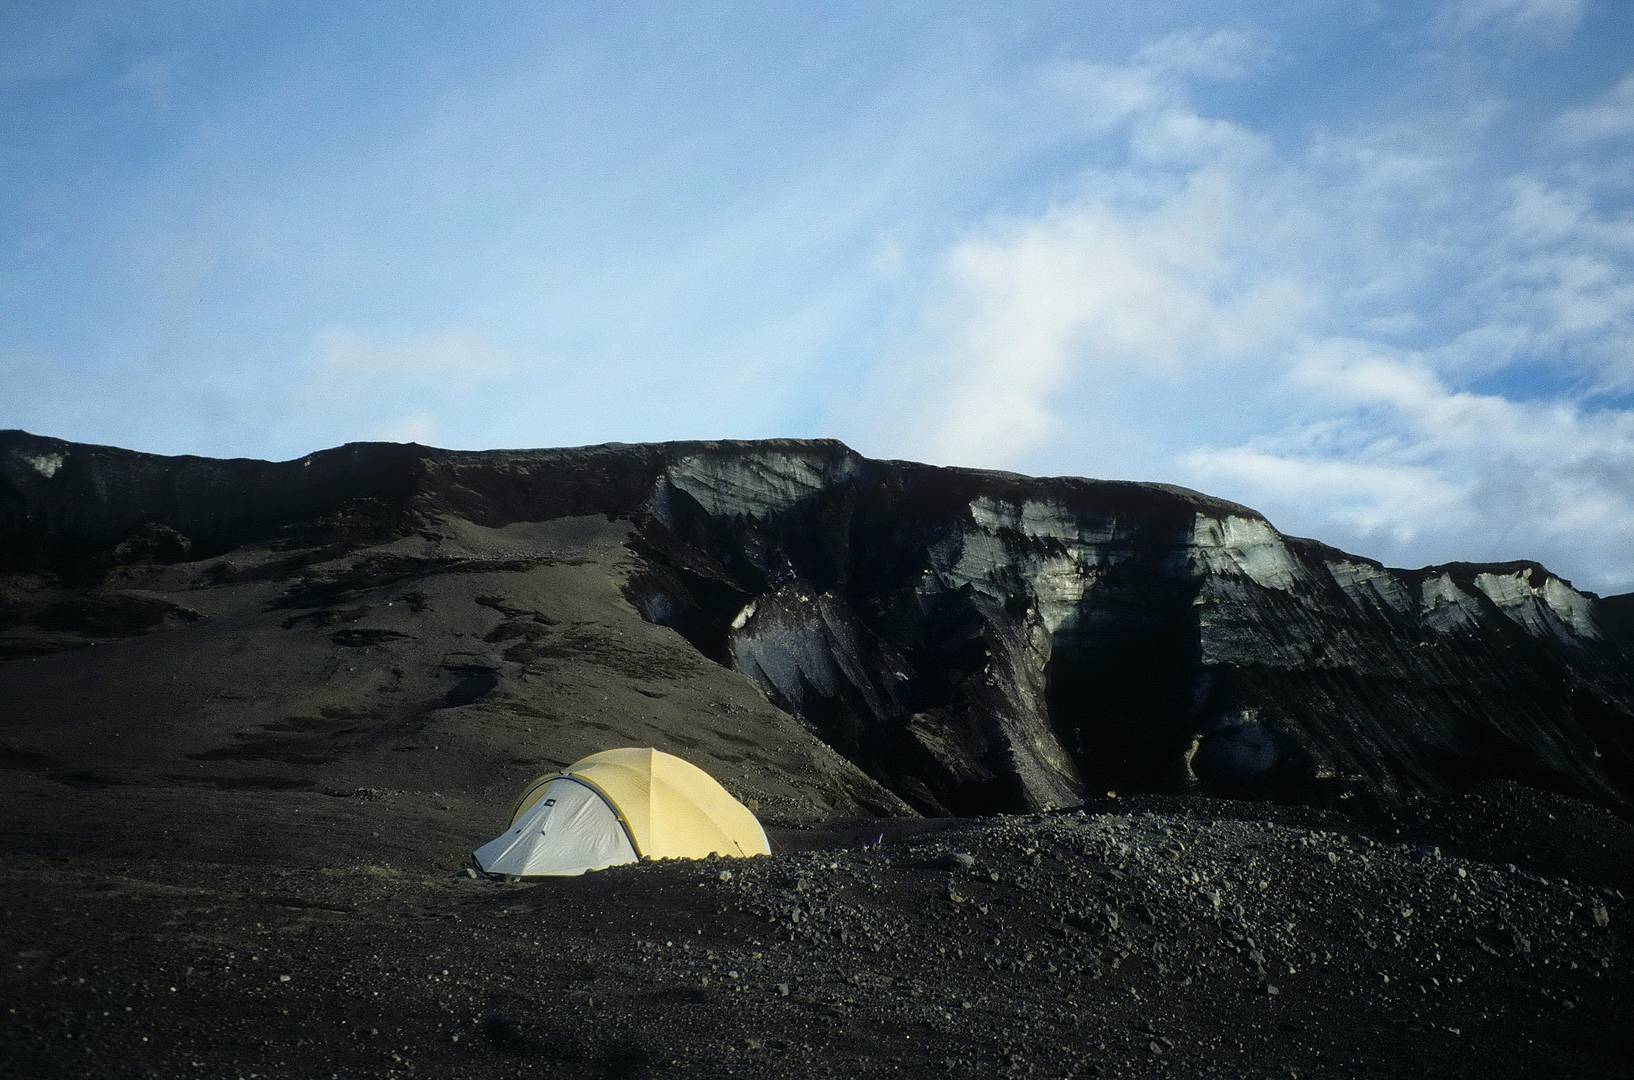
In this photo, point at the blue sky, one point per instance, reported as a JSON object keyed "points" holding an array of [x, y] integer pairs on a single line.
{"points": [[1366, 267]]}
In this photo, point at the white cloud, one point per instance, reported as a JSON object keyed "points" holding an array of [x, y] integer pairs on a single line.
{"points": [[1414, 469], [1395, 324], [1181, 137], [1155, 79], [1562, 274], [1371, 497], [1135, 274], [1302, 329], [1538, 214], [1096, 289], [1104, 95], [890, 258], [1551, 22], [401, 388], [459, 356], [418, 427], [154, 79], [1220, 55], [1611, 117], [1385, 162]]}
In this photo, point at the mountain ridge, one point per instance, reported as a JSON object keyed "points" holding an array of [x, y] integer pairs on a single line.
{"points": [[17, 440], [968, 640]]}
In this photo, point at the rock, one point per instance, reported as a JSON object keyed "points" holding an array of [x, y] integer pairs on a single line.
{"points": [[960, 860], [1598, 913], [1504, 938], [153, 542]]}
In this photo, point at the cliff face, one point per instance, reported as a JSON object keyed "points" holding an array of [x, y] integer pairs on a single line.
{"points": [[973, 641], [988, 640]]}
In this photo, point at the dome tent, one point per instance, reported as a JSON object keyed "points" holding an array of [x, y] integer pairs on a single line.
{"points": [[616, 807]]}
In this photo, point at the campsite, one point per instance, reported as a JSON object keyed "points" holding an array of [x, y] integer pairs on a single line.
{"points": [[777, 540], [1153, 939], [247, 782]]}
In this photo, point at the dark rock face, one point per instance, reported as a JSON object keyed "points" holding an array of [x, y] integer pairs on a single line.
{"points": [[974, 641], [74, 508], [985, 640]]}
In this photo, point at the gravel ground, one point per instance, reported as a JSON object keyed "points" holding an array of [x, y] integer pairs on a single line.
{"points": [[1161, 938]]}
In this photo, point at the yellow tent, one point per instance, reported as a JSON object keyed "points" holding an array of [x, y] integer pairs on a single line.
{"points": [[616, 807]]}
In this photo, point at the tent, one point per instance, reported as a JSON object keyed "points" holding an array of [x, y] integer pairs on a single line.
{"points": [[616, 807]]}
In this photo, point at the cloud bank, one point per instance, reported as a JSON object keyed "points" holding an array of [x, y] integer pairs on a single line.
{"points": [[1367, 332]]}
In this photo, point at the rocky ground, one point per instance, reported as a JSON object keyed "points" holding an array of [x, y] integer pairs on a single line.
{"points": [[1148, 937]]}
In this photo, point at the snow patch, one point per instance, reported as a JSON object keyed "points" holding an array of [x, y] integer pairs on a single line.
{"points": [[1358, 580], [1551, 609], [1041, 519], [1445, 606], [1505, 590], [1059, 568], [1248, 547], [1060, 583], [44, 464], [757, 486], [1573, 608], [982, 559]]}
